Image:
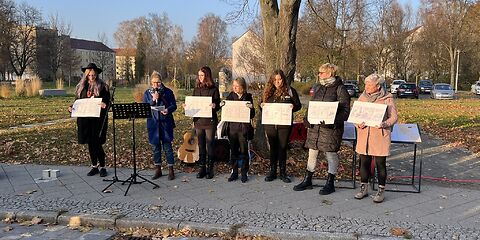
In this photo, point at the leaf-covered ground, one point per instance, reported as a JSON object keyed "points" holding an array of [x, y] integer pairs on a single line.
{"points": [[455, 121]]}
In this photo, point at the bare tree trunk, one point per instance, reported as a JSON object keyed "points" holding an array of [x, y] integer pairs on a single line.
{"points": [[280, 32]]}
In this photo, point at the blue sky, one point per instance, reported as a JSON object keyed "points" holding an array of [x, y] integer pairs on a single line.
{"points": [[91, 17]]}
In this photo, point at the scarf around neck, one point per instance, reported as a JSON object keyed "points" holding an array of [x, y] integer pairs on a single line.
{"points": [[375, 96], [326, 81]]}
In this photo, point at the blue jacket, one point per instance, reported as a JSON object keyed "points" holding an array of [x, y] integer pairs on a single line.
{"points": [[161, 125]]}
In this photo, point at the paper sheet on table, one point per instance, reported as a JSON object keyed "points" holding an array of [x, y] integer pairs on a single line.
{"points": [[198, 106], [369, 113], [277, 114], [236, 111], [322, 111], [87, 107]]}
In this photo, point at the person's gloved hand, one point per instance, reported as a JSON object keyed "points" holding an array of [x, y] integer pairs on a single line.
{"points": [[249, 105], [307, 123], [222, 103]]}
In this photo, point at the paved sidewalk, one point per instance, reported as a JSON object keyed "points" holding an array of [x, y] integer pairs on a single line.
{"points": [[255, 207]]}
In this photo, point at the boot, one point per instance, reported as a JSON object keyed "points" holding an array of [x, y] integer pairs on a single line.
{"points": [[210, 166], [244, 172], [380, 196], [234, 175], [171, 174], [329, 185], [272, 175], [306, 183], [283, 173], [363, 191], [158, 172], [203, 172]]}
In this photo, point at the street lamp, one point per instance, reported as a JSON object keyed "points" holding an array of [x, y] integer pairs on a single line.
{"points": [[456, 75]]}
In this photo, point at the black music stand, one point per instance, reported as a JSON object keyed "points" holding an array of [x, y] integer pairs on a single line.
{"points": [[133, 111]]}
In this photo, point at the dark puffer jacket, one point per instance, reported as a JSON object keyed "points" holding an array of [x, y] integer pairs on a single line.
{"points": [[328, 137], [208, 123], [245, 128]]}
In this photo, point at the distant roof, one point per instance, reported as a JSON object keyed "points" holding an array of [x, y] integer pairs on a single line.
{"points": [[89, 45]]}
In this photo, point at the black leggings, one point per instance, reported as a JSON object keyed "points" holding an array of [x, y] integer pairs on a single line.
{"points": [[278, 141], [365, 168], [97, 155], [205, 145]]}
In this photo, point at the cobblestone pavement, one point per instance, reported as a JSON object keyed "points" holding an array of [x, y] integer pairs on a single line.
{"points": [[50, 232], [256, 207]]}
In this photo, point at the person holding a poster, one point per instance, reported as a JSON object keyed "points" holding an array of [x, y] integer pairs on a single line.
{"points": [[374, 142], [92, 130], [326, 137], [278, 90], [205, 128], [160, 126], [240, 133]]}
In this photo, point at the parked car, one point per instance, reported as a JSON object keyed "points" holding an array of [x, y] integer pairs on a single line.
{"points": [[476, 88], [425, 86], [442, 91], [352, 89], [395, 84], [354, 82], [407, 90]]}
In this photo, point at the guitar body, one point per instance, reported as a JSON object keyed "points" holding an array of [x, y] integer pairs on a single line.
{"points": [[189, 152]]}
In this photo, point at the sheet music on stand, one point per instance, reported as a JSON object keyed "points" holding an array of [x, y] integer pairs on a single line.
{"points": [[408, 134], [129, 110]]}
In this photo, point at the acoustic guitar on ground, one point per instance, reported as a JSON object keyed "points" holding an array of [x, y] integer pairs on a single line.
{"points": [[189, 152]]}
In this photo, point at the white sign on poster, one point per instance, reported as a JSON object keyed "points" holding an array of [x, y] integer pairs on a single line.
{"points": [[370, 113], [406, 133], [87, 107], [277, 114], [236, 111], [198, 106], [322, 111]]}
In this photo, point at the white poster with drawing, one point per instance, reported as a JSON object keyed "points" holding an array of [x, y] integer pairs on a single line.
{"points": [[236, 111], [322, 111], [87, 107], [369, 113], [406, 133], [277, 114], [198, 106]]}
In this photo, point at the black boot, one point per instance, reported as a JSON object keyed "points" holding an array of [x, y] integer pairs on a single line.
{"points": [[329, 187], [306, 183], [203, 167], [210, 169], [245, 167], [283, 172], [234, 175], [272, 175]]}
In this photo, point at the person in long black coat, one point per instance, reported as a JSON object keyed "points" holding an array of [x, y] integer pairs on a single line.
{"points": [[205, 128], [278, 90], [326, 137], [91, 130], [240, 133]]}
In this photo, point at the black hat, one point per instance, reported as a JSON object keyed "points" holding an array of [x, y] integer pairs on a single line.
{"points": [[92, 66]]}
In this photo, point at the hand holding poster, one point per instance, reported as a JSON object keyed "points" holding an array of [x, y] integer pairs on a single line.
{"points": [[370, 113], [87, 107], [236, 111], [277, 114], [322, 111], [198, 106]]}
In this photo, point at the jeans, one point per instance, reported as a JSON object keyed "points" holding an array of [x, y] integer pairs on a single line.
{"points": [[157, 153]]}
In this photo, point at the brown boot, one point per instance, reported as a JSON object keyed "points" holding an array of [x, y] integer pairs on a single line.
{"points": [[158, 172], [171, 174]]}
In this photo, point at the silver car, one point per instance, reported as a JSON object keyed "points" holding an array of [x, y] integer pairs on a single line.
{"points": [[442, 91], [395, 85]]}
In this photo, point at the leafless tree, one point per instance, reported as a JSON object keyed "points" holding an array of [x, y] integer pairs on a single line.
{"points": [[22, 50], [7, 9]]}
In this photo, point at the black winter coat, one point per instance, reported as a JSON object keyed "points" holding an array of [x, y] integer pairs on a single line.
{"points": [[328, 138], [290, 98], [207, 123], [245, 128], [89, 127]]}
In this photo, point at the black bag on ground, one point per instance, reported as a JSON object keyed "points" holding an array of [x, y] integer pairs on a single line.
{"points": [[221, 150]]}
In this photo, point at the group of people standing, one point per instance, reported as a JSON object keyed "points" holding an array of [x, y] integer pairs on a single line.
{"points": [[373, 143]]}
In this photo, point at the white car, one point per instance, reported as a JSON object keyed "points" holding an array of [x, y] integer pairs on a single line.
{"points": [[395, 85], [442, 91], [476, 88]]}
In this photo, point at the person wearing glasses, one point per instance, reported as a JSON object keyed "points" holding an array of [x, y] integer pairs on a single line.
{"points": [[160, 126], [326, 137], [92, 130]]}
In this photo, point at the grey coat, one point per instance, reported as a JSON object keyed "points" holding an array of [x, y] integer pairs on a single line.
{"points": [[327, 138]]}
